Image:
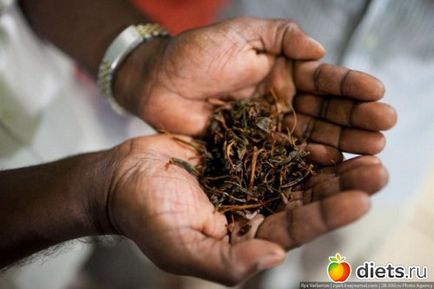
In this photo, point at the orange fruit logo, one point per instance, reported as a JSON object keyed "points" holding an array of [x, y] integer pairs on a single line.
{"points": [[338, 270]]}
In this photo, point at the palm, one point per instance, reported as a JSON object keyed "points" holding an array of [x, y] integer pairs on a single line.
{"points": [[213, 62], [162, 208], [167, 212]]}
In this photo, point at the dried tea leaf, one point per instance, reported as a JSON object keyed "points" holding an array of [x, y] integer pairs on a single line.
{"points": [[250, 164]]}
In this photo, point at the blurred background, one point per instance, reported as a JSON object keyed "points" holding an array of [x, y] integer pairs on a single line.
{"points": [[391, 39]]}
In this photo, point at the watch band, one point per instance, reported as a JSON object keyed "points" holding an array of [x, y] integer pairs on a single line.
{"points": [[118, 50]]}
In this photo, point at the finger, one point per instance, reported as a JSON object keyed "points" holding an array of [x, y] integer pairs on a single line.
{"points": [[293, 228], [345, 166], [228, 264], [321, 154], [251, 92], [280, 85], [194, 124], [366, 115], [246, 229], [175, 147], [244, 93], [356, 162], [279, 37], [345, 139], [368, 178], [318, 153], [321, 78], [327, 172]]}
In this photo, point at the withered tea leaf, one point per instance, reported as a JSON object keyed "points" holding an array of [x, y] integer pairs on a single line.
{"points": [[251, 163]]}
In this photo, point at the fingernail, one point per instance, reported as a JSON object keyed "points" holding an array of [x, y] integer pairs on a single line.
{"points": [[270, 261]]}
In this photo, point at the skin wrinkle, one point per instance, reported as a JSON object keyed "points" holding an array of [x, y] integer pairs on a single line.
{"points": [[324, 219], [175, 90], [340, 183], [107, 205], [318, 179], [307, 133], [293, 67], [172, 87], [228, 51], [325, 102], [166, 74], [111, 219], [343, 82], [262, 44], [184, 204], [351, 113], [316, 77], [241, 33], [318, 189], [227, 55], [293, 240], [339, 136], [289, 27], [114, 186], [108, 200], [179, 179], [308, 196]]}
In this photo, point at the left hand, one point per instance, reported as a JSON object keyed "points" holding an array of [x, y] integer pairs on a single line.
{"points": [[162, 208], [327, 203]]}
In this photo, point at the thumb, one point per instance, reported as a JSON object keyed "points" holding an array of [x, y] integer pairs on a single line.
{"points": [[229, 264], [280, 37]]}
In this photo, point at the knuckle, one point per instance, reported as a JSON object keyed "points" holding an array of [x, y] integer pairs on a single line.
{"points": [[287, 26]]}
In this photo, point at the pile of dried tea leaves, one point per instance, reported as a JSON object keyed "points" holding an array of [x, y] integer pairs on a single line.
{"points": [[251, 163]]}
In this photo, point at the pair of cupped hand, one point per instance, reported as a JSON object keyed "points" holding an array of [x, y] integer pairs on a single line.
{"points": [[168, 82]]}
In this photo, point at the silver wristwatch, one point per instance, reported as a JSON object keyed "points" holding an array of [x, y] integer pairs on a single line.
{"points": [[118, 50]]}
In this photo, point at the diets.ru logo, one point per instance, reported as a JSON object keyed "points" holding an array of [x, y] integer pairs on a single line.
{"points": [[338, 270]]}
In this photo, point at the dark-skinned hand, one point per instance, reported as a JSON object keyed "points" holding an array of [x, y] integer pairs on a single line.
{"points": [[162, 208], [168, 82]]}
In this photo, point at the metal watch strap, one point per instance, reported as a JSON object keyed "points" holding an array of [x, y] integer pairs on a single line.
{"points": [[118, 50]]}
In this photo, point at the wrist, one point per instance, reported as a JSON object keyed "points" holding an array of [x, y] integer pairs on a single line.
{"points": [[136, 75], [100, 169], [44, 205]]}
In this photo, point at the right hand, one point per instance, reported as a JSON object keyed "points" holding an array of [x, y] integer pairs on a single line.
{"points": [[168, 83]]}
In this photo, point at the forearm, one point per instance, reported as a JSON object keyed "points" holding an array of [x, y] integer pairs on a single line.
{"points": [[44, 205], [83, 29]]}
